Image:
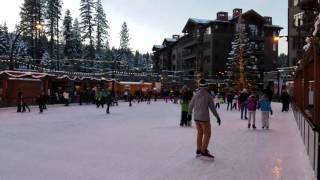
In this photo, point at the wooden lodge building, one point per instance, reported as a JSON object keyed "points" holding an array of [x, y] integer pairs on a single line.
{"points": [[205, 45], [32, 84]]}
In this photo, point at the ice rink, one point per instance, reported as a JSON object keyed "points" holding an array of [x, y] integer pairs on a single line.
{"points": [[144, 142]]}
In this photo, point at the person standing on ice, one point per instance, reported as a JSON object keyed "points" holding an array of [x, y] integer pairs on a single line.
{"points": [[243, 103], [201, 103], [252, 107], [265, 107]]}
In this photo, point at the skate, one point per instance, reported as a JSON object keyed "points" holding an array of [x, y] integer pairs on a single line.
{"points": [[249, 125], [206, 155], [198, 153], [254, 126]]}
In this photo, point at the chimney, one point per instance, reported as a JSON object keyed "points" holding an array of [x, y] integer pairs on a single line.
{"points": [[268, 20], [237, 12], [175, 36], [222, 16]]}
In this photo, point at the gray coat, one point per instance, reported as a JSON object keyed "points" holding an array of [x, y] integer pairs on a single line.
{"points": [[200, 103]]}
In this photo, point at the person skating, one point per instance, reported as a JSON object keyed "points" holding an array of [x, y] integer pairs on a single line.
{"points": [[200, 104], [40, 102], [24, 105], [130, 97], [229, 100], [66, 98], [264, 106], [243, 103], [185, 100], [285, 99], [108, 101], [19, 101], [252, 107]]}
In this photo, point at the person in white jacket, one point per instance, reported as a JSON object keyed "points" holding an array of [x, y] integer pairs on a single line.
{"points": [[201, 103]]}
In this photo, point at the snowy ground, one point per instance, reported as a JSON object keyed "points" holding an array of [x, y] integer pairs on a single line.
{"points": [[145, 143]]}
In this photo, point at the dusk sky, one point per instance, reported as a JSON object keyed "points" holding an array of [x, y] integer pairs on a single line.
{"points": [[150, 21]]}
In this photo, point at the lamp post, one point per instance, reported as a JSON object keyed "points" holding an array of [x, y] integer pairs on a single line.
{"points": [[39, 27]]}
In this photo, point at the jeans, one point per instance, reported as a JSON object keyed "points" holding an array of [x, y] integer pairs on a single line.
{"points": [[243, 108], [229, 105]]}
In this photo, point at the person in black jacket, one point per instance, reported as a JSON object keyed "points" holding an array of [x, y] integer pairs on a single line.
{"points": [[243, 103], [285, 98]]}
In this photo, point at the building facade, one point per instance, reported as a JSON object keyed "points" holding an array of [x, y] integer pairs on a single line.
{"points": [[204, 45], [301, 17]]}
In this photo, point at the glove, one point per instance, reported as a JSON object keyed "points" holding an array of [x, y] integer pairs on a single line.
{"points": [[219, 121]]}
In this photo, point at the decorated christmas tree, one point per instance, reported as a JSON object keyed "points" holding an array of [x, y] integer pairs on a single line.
{"points": [[242, 64]]}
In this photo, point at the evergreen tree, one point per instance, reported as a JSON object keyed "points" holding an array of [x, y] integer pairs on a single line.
{"points": [[136, 59], [102, 27], [32, 14], [76, 37], [87, 26], [53, 16], [124, 37], [68, 35], [242, 64], [4, 40]]}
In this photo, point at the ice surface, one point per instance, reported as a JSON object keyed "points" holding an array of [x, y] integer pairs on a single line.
{"points": [[145, 143]]}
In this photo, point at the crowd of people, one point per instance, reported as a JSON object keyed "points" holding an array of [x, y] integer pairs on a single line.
{"points": [[194, 103]]}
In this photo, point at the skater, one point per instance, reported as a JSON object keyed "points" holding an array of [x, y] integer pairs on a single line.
{"points": [[264, 106], [130, 97], [217, 101], [235, 102], [285, 98], [66, 98], [99, 99], [269, 93], [252, 107], [24, 105], [149, 96], [19, 101], [108, 101], [185, 100], [200, 103], [243, 103], [40, 102], [229, 100]]}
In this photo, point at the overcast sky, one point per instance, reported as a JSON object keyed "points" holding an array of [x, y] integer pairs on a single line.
{"points": [[150, 21]]}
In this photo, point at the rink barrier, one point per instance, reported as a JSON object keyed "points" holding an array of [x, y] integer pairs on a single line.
{"points": [[310, 137]]}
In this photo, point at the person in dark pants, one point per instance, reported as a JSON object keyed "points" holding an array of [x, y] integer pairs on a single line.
{"points": [[19, 101], [130, 99], [24, 105], [41, 103], [108, 101], [269, 93], [229, 100], [285, 98], [243, 103]]}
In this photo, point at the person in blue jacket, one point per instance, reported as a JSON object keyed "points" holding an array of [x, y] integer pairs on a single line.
{"points": [[265, 107]]}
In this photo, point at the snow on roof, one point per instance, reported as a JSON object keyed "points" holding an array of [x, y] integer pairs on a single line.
{"points": [[200, 21], [134, 83], [170, 39], [158, 46]]}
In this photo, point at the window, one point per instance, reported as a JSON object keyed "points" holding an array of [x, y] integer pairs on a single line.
{"points": [[253, 29], [298, 19], [296, 2], [208, 30]]}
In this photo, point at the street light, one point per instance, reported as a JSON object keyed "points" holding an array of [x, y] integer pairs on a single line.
{"points": [[39, 27]]}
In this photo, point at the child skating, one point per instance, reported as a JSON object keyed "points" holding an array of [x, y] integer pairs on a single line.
{"points": [[252, 106], [265, 107]]}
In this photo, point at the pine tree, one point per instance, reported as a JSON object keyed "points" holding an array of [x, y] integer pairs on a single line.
{"points": [[242, 64], [53, 16], [136, 59], [32, 14], [68, 35], [4, 40], [76, 38], [102, 27], [124, 37], [87, 26]]}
